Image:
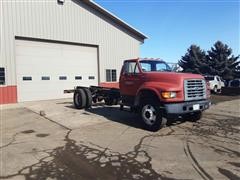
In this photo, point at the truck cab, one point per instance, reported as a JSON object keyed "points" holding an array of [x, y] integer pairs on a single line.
{"points": [[149, 86]]}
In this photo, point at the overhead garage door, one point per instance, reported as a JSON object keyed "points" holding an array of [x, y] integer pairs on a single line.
{"points": [[44, 70]]}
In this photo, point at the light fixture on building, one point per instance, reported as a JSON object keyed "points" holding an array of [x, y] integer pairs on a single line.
{"points": [[60, 1]]}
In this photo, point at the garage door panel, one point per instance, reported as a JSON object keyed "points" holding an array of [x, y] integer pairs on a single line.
{"points": [[32, 50], [58, 68], [37, 59]]}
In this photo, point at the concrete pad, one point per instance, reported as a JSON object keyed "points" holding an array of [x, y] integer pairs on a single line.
{"points": [[106, 143], [25, 138]]}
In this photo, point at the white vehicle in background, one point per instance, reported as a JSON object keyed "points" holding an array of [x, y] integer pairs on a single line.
{"points": [[215, 82]]}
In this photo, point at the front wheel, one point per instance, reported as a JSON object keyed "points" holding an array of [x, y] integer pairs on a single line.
{"points": [[152, 116]]}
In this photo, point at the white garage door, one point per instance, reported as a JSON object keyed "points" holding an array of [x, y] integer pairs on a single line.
{"points": [[44, 70]]}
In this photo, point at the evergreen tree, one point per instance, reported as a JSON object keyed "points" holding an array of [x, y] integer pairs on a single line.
{"points": [[194, 61], [221, 61]]}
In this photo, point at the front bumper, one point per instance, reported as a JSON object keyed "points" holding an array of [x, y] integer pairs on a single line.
{"points": [[187, 107]]}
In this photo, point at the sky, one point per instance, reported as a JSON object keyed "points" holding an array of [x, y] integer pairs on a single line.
{"points": [[172, 26]]}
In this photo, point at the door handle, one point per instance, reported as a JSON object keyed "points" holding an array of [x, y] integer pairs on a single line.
{"points": [[129, 82]]}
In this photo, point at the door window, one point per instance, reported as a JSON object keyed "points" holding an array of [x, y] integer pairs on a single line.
{"points": [[131, 68]]}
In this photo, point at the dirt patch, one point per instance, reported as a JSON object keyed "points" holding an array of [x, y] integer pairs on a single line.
{"points": [[85, 113], [42, 135], [28, 131]]}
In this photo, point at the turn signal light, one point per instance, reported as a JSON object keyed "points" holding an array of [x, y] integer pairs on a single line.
{"points": [[168, 94]]}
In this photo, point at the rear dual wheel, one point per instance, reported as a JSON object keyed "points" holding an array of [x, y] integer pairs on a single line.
{"points": [[82, 98], [89, 98]]}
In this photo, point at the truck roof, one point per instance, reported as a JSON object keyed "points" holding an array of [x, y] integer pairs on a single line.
{"points": [[145, 59]]}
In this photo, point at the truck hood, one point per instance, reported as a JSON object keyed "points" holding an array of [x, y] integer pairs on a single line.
{"points": [[170, 77], [168, 81]]}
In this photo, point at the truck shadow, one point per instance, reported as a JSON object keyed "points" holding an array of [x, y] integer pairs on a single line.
{"points": [[112, 113], [116, 115], [126, 117]]}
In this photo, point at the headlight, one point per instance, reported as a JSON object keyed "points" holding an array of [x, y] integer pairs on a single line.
{"points": [[168, 94]]}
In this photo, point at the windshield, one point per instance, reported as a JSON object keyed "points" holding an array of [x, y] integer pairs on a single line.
{"points": [[209, 78], [150, 66]]}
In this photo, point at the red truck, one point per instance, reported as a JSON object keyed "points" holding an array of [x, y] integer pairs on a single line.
{"points": [[149, 88]]}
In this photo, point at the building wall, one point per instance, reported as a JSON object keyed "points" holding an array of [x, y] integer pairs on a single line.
{"points": [[73, 22]]}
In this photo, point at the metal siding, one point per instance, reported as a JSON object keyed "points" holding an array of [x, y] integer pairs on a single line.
{"points": [[69, 22]]}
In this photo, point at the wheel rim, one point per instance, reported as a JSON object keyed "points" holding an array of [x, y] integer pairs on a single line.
{"points": [[149, 114]]}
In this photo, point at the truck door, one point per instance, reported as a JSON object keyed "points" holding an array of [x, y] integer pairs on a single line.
{"points": [[130, 79]]}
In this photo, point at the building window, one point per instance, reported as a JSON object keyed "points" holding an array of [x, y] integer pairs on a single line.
{"points": [[62, 77], [78, 77], [114, 75], [60, 2], [91, 77], [45, 78], [111, 75], [2, 76], [27, 78]]}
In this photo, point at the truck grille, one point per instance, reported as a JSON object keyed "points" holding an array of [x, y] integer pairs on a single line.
{"points": [[194, 89]]}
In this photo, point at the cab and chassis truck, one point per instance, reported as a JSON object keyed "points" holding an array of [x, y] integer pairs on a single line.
{"points": [[150, 89]]}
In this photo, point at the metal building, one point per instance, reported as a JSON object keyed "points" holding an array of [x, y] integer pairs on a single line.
{"points": [[51, 45]]}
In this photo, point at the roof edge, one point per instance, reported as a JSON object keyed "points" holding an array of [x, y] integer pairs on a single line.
{"points": [[116, 19]]}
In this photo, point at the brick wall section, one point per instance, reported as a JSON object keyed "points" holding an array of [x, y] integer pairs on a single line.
{"points": [[8, 94]]}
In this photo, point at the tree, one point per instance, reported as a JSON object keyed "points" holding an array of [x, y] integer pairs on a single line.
{"points": [[194, 61], [222, 62]]}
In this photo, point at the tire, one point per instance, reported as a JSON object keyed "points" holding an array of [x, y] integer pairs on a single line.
{"points": [[197, 116], [219, 91], [194, 117], [215, 90], [121, 107], [79, 99], [88, 98], [151, 115]]}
